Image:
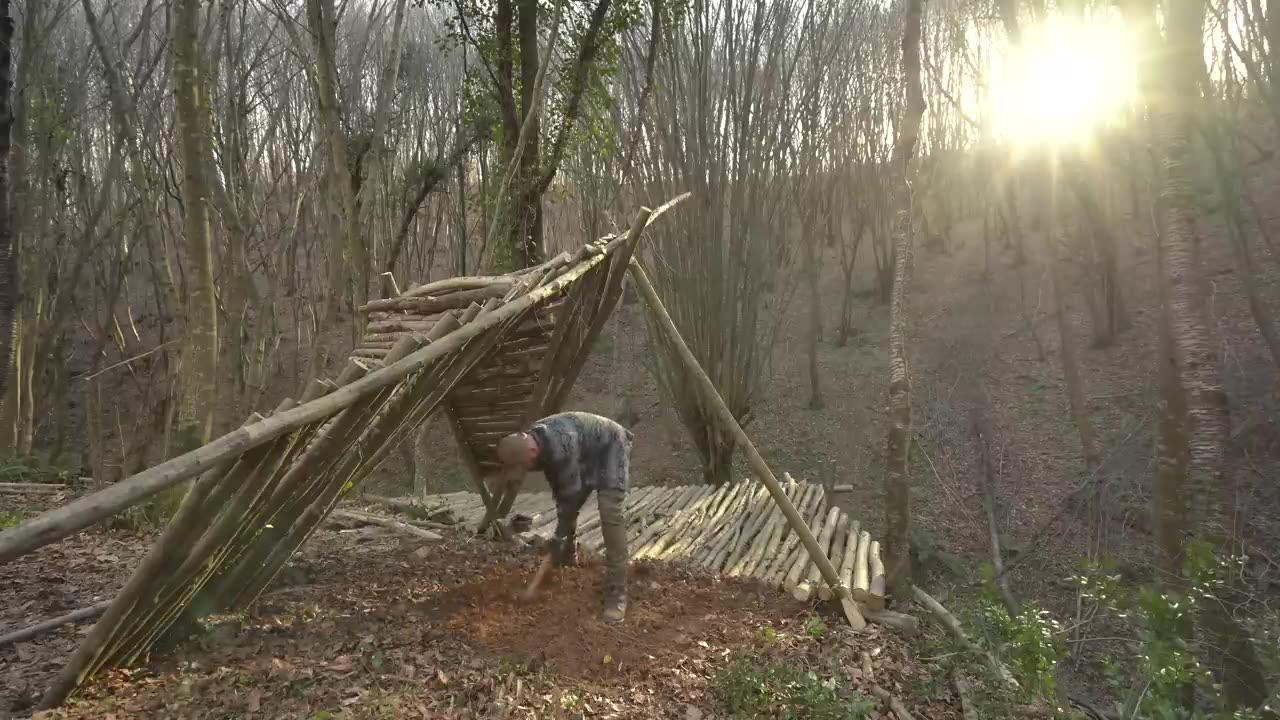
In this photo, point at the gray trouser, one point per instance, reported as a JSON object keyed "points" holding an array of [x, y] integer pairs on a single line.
{"points": [[613, 526]]}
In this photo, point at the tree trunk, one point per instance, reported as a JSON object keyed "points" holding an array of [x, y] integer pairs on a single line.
{"points": [[527, 249], [15, 119], [460, 266], [717, 462], [200, 354], [897, 475], [8, 258], [1169, 505], [1071, 365], [1113, 318], [350, 261], [846, 308], [371, 180], [815, 319], [1211, 490]]}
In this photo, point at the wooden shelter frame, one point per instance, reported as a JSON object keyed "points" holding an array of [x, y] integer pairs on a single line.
{"points": [[258, 493]]}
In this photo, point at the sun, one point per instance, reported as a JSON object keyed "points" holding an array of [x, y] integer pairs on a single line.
{"points": [[1070, 77]]}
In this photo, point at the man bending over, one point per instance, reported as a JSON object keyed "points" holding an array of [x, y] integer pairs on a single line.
{"points": [[580, 452]]}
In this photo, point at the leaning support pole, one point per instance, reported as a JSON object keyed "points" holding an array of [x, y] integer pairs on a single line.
{"points": [[762, 471]]}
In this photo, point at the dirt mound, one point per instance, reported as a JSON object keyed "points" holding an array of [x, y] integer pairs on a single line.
{"points": [[667, 609]]}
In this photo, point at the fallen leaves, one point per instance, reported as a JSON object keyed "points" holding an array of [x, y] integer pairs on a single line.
{"points": [[366, 637]]}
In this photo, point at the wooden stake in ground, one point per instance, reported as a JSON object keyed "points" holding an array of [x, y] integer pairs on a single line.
{"points": [[726, 418]]}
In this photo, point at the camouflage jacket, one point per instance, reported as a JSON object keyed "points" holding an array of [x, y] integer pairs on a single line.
{"points": [[580, 452]]}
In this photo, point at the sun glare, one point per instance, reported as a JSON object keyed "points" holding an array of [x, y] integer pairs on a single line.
{"points": [[1069, 78]]}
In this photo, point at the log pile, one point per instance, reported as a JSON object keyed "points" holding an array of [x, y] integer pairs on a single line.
{"points": [[736, 530]]}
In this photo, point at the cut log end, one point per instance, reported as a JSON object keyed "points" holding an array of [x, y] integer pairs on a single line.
{"points": [[907, 624], [851, 613]]}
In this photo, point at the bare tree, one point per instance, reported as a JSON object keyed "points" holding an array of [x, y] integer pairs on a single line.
{"points": [[8, 278], [898, 454], [1210, 491], [724, 133], [200, 355]]}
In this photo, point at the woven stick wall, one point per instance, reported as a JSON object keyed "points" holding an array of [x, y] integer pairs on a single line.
{"points": [[260, 491]]}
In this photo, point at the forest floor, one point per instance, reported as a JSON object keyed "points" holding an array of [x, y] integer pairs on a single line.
{"points": [[362, 625]]}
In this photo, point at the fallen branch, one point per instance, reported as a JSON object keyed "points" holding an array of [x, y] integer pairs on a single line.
{"points": [[901, 622], [966, 697], [362, 516], [400, 527], [412, 509], [38, 629], [894, 703], [952, 625], [31, 488]]}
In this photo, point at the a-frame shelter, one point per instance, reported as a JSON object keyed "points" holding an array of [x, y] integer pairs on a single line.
{"points": [[494, 352]]}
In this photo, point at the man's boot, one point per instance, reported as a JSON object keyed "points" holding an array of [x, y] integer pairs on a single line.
{"points": [[614, 529]]}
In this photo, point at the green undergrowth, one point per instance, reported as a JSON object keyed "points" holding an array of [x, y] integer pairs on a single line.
{"points": [[750, 688], [1170, 669], [34, 470], [10, 518], [945, 659]]}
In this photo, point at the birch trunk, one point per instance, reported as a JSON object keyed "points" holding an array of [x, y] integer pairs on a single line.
{"points": [[897, 475], [200, 353]]}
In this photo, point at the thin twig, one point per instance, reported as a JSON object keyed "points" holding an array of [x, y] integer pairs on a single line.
{"points": [[139, 356]]}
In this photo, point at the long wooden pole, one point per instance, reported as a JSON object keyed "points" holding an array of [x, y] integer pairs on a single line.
{"points": [[762, 471]]}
